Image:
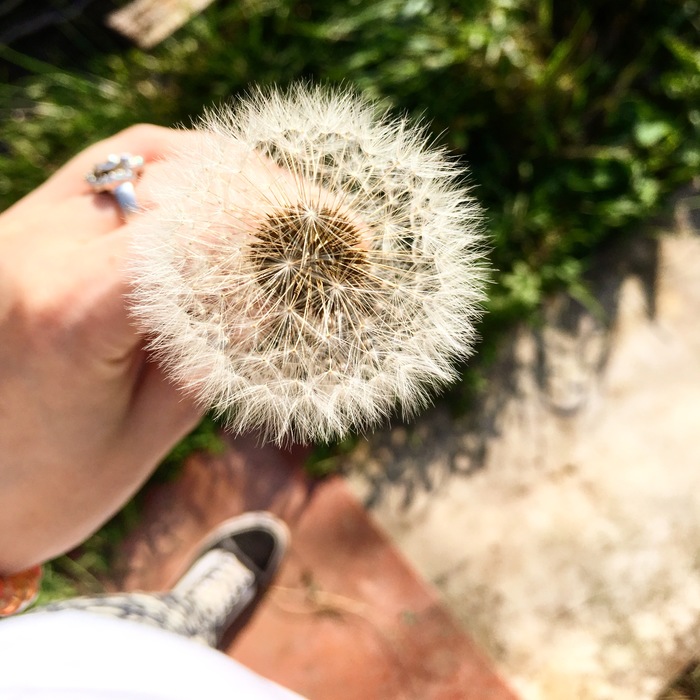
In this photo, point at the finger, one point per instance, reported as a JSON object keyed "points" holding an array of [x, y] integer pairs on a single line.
{"points": [[87, 296], [108, 264], [151, 142], [100, 212], [147, 140], [87, 217], [161, 415]]}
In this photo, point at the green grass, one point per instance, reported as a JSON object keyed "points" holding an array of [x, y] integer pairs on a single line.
{"points": [[578, 119]]}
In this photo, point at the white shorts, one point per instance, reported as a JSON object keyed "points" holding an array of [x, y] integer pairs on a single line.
{"points": [[74, 655]]}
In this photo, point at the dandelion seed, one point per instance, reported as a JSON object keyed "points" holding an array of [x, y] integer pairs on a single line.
{"points": [[311, 265]]}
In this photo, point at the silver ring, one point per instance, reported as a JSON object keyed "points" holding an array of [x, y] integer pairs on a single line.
{"points": [[117, 175]]}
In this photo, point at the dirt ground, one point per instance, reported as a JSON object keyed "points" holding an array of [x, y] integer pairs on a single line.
{"points": [[560, 518]]}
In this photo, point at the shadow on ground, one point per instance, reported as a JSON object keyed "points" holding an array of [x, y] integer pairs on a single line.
{"points": [[568, 355]]}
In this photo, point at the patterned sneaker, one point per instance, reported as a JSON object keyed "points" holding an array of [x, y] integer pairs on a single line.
{"points": [[232, 568]]}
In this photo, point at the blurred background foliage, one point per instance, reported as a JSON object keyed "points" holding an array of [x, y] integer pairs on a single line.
{"points": [[578, 118]]}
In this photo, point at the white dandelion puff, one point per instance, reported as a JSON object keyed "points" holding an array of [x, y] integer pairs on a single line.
{"points": [[311, 264]]}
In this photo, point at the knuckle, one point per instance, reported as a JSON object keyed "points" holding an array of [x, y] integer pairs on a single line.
{"points": [[62, 321], [51, 319], [141, 131]]}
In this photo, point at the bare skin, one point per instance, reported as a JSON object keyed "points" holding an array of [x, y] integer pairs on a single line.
{"points": [[85, 417]]}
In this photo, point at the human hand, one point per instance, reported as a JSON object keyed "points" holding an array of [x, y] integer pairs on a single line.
{"points": [[85, 416]]}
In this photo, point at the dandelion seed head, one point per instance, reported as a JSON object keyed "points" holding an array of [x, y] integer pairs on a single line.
{"points": [[311, 264]]}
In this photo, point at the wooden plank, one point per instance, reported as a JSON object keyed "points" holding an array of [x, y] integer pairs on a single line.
{"points": [[148, 22]]}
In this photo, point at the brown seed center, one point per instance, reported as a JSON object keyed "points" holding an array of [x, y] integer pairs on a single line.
{"points": [[309, 260]]}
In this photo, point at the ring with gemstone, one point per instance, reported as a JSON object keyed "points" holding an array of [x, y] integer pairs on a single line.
{"points": [[117, 175]]}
